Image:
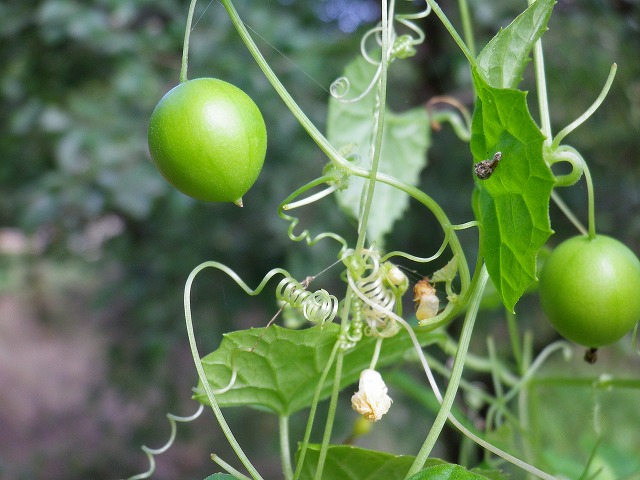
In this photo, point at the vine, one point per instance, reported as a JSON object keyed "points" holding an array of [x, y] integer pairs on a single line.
{"points": [[357, 335]]}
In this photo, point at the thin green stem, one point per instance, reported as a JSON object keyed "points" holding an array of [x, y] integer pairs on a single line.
{"points": [[306, 123], [332, 153], [228, 468], [467, 26], [516, 343], [541, 87], [568, 213], [185, 46], [453, 32], [525, 424], [456, 374], [331, 415], [590, 111], [379, 126], [604, 382], [285, 447], [480, 364], [376, 353], [205, 382], [591, 202], [312, 412]]}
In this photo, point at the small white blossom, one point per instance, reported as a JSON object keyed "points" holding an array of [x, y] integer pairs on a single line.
{"points": [[371, 399]]}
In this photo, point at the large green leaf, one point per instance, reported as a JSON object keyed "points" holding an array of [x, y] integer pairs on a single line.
{"points": [[278, 369], [513, 204], [505, 57], [449, 471], [346, 462], [405, 143]]}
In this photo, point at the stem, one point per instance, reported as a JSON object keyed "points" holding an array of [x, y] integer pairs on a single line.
{"points": [[285, 448], [541, 86], [228, 468], [205, 383], [467, 27], [516, 344], [568, 213], [453, 32], [332, 153], [376, 353], [379, 119], [185, 46], [331, 415], [312, 412], [306, 123], [582, 118], [591, 202], [456, 374]]}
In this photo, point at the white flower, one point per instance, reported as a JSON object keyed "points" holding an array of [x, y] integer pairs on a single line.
{"points": [[371, 399]]}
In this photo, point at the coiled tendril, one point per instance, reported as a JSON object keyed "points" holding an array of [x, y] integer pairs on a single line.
{"points": [[402, 46], [318, 307], [152, 452], [381, 283]]}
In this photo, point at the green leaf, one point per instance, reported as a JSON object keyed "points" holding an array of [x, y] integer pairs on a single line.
{"points": [[405, 143], [278, 369], [220, 476], [449, 471], [513, 204], [505, 57], [346, 462]]}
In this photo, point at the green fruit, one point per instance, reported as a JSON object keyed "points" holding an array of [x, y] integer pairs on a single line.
{"points": [[590, 290], [208, 139]]}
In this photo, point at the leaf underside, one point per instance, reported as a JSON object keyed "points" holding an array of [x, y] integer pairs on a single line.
{"points": [[406, 140]]}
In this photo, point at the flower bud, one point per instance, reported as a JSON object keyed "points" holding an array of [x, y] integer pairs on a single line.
{"points": [[371, 399]]}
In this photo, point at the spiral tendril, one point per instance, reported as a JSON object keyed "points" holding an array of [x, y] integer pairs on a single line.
{"points": [[353, 335], [152, 452], [401, 47], [374, 281], [318, 307]]}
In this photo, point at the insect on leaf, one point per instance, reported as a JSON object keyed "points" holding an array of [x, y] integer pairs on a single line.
{"points": [[511, 201]]}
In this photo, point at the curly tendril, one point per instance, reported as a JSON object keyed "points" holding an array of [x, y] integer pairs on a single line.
{"points": [[336, 180], [400, 46], [317, 307], [496, 409], [381, 285], [354, 333], [152, 452]]}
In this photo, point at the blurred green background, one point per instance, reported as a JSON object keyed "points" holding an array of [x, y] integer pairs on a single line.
{"points": [[95, 246]]}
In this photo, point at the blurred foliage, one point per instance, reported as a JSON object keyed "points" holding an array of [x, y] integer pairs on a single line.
{"points": [[79, 81]]}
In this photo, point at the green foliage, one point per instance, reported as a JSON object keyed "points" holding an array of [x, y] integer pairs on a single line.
{"points": [[405, 143], [352, 463], [505, 57], [448, 472], [261, 359], [78, 85], [513, 204]]}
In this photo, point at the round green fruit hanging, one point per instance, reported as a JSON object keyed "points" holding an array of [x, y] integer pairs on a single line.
{"points": [[590, 290], [208, 139]]}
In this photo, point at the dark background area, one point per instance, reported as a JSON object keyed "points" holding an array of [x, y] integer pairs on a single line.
{"points": [[95, 246]]}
